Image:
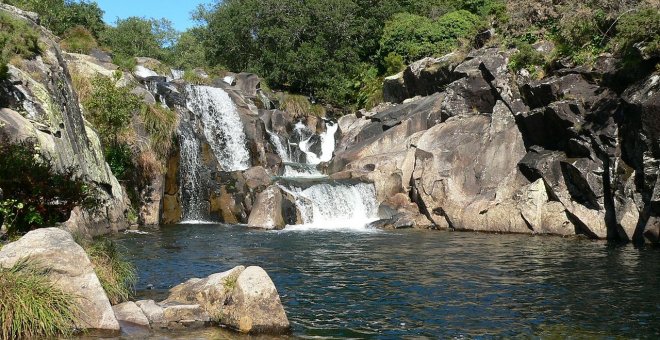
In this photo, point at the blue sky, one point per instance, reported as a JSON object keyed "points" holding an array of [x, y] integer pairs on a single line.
{"points": [[178, 11]]}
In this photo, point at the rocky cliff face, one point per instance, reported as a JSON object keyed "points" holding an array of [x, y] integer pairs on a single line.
{"points": [[473, 146], [38, 102]]}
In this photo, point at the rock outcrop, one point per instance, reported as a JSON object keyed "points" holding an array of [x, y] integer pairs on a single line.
{"points": [[69, 269], [244, 299], [482, 149], [38, 103]]}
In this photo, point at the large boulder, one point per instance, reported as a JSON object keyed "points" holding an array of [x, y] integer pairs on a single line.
{"points": [[244, 299], [69, 269], [255, 305]]}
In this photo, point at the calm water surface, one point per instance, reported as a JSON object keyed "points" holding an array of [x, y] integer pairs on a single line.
{"points": [[392, 284]]}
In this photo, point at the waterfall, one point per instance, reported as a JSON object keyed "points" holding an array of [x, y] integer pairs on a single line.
{"points": [[334, 205], [190, 179], [327, 145], [223, 127]]}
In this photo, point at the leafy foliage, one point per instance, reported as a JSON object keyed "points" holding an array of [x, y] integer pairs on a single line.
{"points": [[17, 38], [110, 108], [140, 37], [62, 15], [526, 56], [79, 40], [36, 194], [642, 26], [415, 37], [31, 307]]}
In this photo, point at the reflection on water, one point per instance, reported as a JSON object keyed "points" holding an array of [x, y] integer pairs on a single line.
{"points": [[420, 283]]}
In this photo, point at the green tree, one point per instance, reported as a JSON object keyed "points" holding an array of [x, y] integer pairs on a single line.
{"points": [[62, 15], [188, 52], [35, 193], [413, 37], [140, 37]]}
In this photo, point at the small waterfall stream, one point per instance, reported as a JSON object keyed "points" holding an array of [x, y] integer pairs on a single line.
{"points": [[191, 182], [322, 203], [334, 206], [223, 127]]}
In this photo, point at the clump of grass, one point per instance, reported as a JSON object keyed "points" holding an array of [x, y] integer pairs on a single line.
{"points": [[31, 307], [193, 77], [300, 106], [117, 275], [160, 122], [79, 40]]}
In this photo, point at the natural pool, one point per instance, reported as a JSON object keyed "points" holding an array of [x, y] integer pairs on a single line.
{"points": [[408, 283]]}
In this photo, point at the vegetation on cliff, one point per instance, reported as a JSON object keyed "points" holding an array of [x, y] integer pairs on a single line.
{"points": [[17, 39], [36, 193]]}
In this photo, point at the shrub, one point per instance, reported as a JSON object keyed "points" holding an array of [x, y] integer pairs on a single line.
{"points": [[414, 37], [35, 193], [62, 15], [120, 159], [370, 91], [79, 40], [117, 275], [125, 63], [31, 307], [642, 26], [110, 108], [300, 105], [17, 38], [153, 35], [526, 56], [393, 63]]}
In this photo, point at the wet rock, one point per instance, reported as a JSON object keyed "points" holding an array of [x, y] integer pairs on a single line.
{"points": [[267, 212], [129, 312], [70, 270]]}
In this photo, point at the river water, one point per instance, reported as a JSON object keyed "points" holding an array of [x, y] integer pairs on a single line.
{"points": [[425, 284]]}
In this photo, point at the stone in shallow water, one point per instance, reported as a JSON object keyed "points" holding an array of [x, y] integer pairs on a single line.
{"points": [[130, 312], [152, 311]]}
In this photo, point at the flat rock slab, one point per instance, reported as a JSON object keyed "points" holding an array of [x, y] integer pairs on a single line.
{"points": [[130, 312]]}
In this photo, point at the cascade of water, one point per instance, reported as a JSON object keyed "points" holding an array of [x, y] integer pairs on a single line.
{"points": [[222, 125], [327, 145], [189, 172], [334, 206], [279, 146]]}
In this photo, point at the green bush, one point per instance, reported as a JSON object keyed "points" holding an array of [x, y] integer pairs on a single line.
{"points": [[62, 15], [414, 37], [79, 40], [110, 108], [120, 159], [31, 307], [125, 63], [35, 193], [117, 275], [393, 63], [17, 38], [642, 26], [152, 34], [370, 91], [525, 57]]}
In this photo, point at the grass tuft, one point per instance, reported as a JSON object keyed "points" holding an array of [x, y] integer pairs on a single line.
{"points": [[31, 307], [300, 106], [117, 275], [160, 122]]}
